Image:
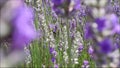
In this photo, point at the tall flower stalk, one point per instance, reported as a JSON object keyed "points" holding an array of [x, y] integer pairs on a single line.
{"points": [[66, 8]]}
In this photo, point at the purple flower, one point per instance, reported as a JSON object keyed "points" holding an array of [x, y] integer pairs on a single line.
{"points": [[53, 55], [85, 62], [51, 49], [105, 26], [106, 46], [53, 59], [116, 8], [88, 31], [23, 28], [109, 22], [57, 2], [115, 22], [56, 66], [90, 50], [100, 23], [21, 23], [80, 48], [65, 7]]}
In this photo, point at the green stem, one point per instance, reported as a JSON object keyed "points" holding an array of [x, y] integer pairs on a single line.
{"points": [[69, 43]]}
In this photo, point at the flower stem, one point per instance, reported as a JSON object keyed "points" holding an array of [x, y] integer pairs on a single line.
{"points": [[69, 43]]}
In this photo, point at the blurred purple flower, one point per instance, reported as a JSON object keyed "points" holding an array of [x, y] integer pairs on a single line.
{"points": [[20, 18], [109, 22], [53, 52], [116, 8], [57, 2], [65, 7], [88, 31], [106, 46], [85, 64], [53, 55], [106, 26], [90, 50], [56, 66], [53, 59], [51, 49], [100, 23], [80, 49], [23, 27]]}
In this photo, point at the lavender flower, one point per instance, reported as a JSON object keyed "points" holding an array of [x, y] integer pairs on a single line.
{"points": [[85, 64], [116, 7], [91, 51], [53, 59], [80, 49], [53, 55], [65, 7], [101, 29], [106, 45], [56, 66], [21, 36], [52, 51], [21, 24], [88, 31]]}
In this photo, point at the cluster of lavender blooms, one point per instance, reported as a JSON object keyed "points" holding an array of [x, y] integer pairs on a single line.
{"points": [[98, 29], [101, 28], [71, 37], [16, 30], [62, 37]]}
